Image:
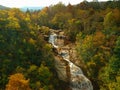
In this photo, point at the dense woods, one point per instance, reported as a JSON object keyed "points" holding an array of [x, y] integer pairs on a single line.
{"points": [[94, 27]]}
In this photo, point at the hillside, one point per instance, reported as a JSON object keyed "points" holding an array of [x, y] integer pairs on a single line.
{"points": [[48, 49], [3, 7]]}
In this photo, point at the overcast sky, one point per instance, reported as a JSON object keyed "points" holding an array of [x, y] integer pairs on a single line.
{"points": [[22, 3]]}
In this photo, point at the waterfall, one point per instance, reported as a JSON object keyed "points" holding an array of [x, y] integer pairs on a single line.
{"points": [[52, 39], [78, 81]]}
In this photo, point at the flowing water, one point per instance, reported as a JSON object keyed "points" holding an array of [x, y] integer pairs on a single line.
{"points": [[78, 81]]}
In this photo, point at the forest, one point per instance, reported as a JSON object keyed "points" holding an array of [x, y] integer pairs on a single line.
{"points": [[27, 60]]}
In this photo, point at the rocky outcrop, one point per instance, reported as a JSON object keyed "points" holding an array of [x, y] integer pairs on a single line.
{"points": [[62, 68]]}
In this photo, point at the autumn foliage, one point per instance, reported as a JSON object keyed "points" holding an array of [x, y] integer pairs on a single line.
{"points": [[93, 27], [17, 82]]}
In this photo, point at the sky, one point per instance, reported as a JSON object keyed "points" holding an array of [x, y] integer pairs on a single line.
{"points": [[36, 3], [22, 3]]}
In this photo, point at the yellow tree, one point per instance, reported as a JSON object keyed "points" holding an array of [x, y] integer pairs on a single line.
{"points": [[13, 23], [17, 82]]}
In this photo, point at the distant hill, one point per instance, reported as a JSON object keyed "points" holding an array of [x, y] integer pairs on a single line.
{"points": [[3, 7], [30, 8]]}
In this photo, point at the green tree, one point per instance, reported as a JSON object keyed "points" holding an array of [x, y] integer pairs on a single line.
{"points": [[110, 74], [85, 47], [42, 77], [60, 20], [43, 17], [115, 60], [74, 26]]}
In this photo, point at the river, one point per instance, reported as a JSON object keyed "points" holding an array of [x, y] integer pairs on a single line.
{"points": [[78, 81]]}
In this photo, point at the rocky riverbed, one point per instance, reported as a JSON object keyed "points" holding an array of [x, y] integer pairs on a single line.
{"points": [[65, 58]]}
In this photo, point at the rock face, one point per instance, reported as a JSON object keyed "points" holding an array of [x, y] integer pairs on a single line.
{"points": [[62, 68], [67, 71]]}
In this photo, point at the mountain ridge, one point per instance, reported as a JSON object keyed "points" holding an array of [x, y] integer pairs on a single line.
{"points": [[3, 7], [31, 8]]}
